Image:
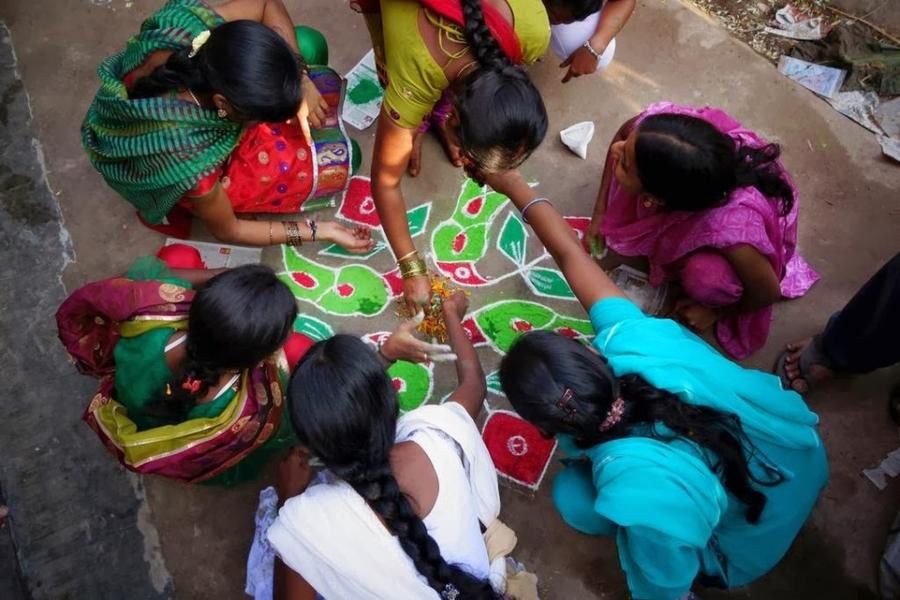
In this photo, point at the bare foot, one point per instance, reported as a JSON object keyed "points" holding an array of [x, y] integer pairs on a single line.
{"points": [[803, 378], [453, 152]]}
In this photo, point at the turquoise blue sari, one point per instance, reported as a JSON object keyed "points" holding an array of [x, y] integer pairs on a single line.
{"points": [[672, 518]]}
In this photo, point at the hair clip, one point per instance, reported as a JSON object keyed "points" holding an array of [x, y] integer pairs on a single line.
{"points": [[192, 385], [198, 42], [563, 402], [616, 411], [450, 592]]}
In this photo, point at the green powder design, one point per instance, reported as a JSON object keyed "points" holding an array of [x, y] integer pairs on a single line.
{"points": [[364, 92]]}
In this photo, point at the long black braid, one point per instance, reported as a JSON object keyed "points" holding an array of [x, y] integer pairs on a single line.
{"points": [[344, 409], [502, 118]]}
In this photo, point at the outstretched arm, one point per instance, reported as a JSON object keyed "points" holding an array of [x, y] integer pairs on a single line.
{"points": [[216, 212], [588, 281], [471, 390], [393, 149]]}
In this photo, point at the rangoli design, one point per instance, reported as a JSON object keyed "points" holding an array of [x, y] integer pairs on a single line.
{"points": [[458, 245]]}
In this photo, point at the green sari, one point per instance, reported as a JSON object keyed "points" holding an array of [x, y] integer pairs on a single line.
{"points": [[153, 150]]}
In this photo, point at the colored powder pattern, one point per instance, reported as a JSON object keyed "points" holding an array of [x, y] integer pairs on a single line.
{"points": [[364, 92], [481, 223]]}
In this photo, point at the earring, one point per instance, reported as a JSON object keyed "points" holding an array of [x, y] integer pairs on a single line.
{"points": [[222, 113]]}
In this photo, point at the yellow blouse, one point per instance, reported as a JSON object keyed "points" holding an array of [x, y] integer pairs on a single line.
{"points": [[415, 80]]}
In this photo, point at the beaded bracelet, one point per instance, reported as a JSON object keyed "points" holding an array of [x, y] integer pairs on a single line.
{"points": [[313, 227]]}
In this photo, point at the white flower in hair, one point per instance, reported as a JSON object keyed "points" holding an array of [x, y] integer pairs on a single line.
{"points": [[198, 42]]}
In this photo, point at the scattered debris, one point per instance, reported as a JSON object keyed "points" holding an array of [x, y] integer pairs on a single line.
{"points": [[859, 106], [869, 24], [888, 117], [881, 119], [890, 146], [871, 64], [748, 21], [791, 22], [577, 137], [820, 79], [889, 467]]}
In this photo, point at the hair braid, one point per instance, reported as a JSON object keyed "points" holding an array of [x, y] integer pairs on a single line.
{"points": [[344, 408], [481, 42], [709, 428], [541, 365], [179, 398], [379, 488]]}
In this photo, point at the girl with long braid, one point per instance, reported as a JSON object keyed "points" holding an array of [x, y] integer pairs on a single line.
{"points": [[702, 470], [495, 118], [397, 512]]}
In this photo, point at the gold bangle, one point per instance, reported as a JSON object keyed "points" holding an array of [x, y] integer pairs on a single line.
{"points": [[407, 256], [413, 268], [292, 232]]}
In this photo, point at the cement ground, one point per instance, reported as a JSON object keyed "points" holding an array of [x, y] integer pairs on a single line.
{"points": [[164, 536]]}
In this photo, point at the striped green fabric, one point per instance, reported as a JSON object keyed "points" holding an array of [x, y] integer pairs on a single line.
{"points": [[153, 150]]}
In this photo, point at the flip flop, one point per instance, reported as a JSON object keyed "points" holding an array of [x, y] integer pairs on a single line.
{"points": [[809, 356]]}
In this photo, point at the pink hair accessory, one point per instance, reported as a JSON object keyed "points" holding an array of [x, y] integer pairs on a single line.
{"points": [[192, 385], [614, 415], [563, 402]]}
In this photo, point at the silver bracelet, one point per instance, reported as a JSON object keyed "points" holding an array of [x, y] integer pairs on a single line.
{"points": [[525, 208], [587, 44]]}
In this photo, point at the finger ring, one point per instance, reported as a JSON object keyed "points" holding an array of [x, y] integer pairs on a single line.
{"points": [[425, 354]]}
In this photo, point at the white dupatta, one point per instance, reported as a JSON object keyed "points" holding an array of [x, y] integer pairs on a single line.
{"points": [[335, 541]]}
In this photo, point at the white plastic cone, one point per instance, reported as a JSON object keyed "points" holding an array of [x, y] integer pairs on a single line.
{"points": [[577, 137]]}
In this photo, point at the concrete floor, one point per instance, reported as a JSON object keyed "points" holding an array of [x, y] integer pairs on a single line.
{"points": [[850, 215]]}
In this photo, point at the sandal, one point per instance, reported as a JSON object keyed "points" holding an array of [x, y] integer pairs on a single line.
{"points": [[811, 355]]}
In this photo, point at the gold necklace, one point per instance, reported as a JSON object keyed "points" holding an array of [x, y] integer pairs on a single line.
{"points": [[447, 31]]}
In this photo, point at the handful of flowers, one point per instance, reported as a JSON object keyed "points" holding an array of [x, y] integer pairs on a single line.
{"points": [[433, 325]]}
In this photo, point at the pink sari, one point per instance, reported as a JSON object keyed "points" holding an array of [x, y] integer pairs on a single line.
{"points": [[671, 240]]}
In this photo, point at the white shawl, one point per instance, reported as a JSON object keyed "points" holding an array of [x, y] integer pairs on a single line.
{"points": [[332, 538]]}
